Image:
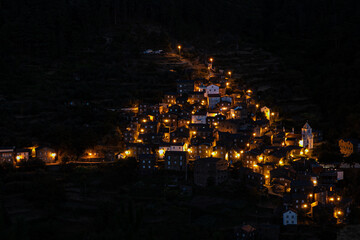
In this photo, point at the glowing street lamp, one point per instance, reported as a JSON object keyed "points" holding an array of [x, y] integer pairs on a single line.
{"points": [[179, 47], [229, 72], [211, 60]]}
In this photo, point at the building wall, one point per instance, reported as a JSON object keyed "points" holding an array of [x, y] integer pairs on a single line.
{"points": [[289, 218], [201, 119]]}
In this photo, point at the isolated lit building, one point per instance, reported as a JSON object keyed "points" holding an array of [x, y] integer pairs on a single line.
{"points": [[290, 217]]}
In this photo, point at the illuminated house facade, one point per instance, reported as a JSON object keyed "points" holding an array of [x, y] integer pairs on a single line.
{"points": [[289, 217], [307, 136]]}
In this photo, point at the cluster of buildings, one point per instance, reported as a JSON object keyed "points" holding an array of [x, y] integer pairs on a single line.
{"points": [[13, 155], [208, 126], [211, 126]]}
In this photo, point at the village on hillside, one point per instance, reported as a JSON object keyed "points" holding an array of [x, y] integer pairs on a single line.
{"points": [[212, 129]]}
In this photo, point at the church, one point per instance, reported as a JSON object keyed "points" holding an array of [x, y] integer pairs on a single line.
{"points": [[307, 136]]}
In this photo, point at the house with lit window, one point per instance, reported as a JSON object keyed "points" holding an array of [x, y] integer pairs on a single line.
{"points": [[199, 117], [149, 127], [169, 98], [135, 149], [215, 120], [290, 217], [169, 119], [147, 163], [298, 201], [200, 150], [255, 179], [197, 97], [7, 155], [184, 86], [176, 160], [182, 100], [150, 138], [130, 136], [213, 100], [219, 151], [22, 154], [302, 186], [251, 158], [212, 90], [238, 112], [175, 109], [46, 154]]}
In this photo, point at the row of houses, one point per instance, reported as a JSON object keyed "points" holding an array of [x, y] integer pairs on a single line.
{"points": [[13, 155]]}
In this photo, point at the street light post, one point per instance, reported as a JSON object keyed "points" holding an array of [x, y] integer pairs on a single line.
{"points": [[211, 62], [179, 47]]}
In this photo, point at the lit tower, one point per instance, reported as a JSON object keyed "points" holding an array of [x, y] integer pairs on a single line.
{"points": [[307, 136]]}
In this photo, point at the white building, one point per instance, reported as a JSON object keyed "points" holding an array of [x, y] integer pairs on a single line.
{"points": [[178, 147], [307, 136], [199, 118], [212, 89], [289, 218]]}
